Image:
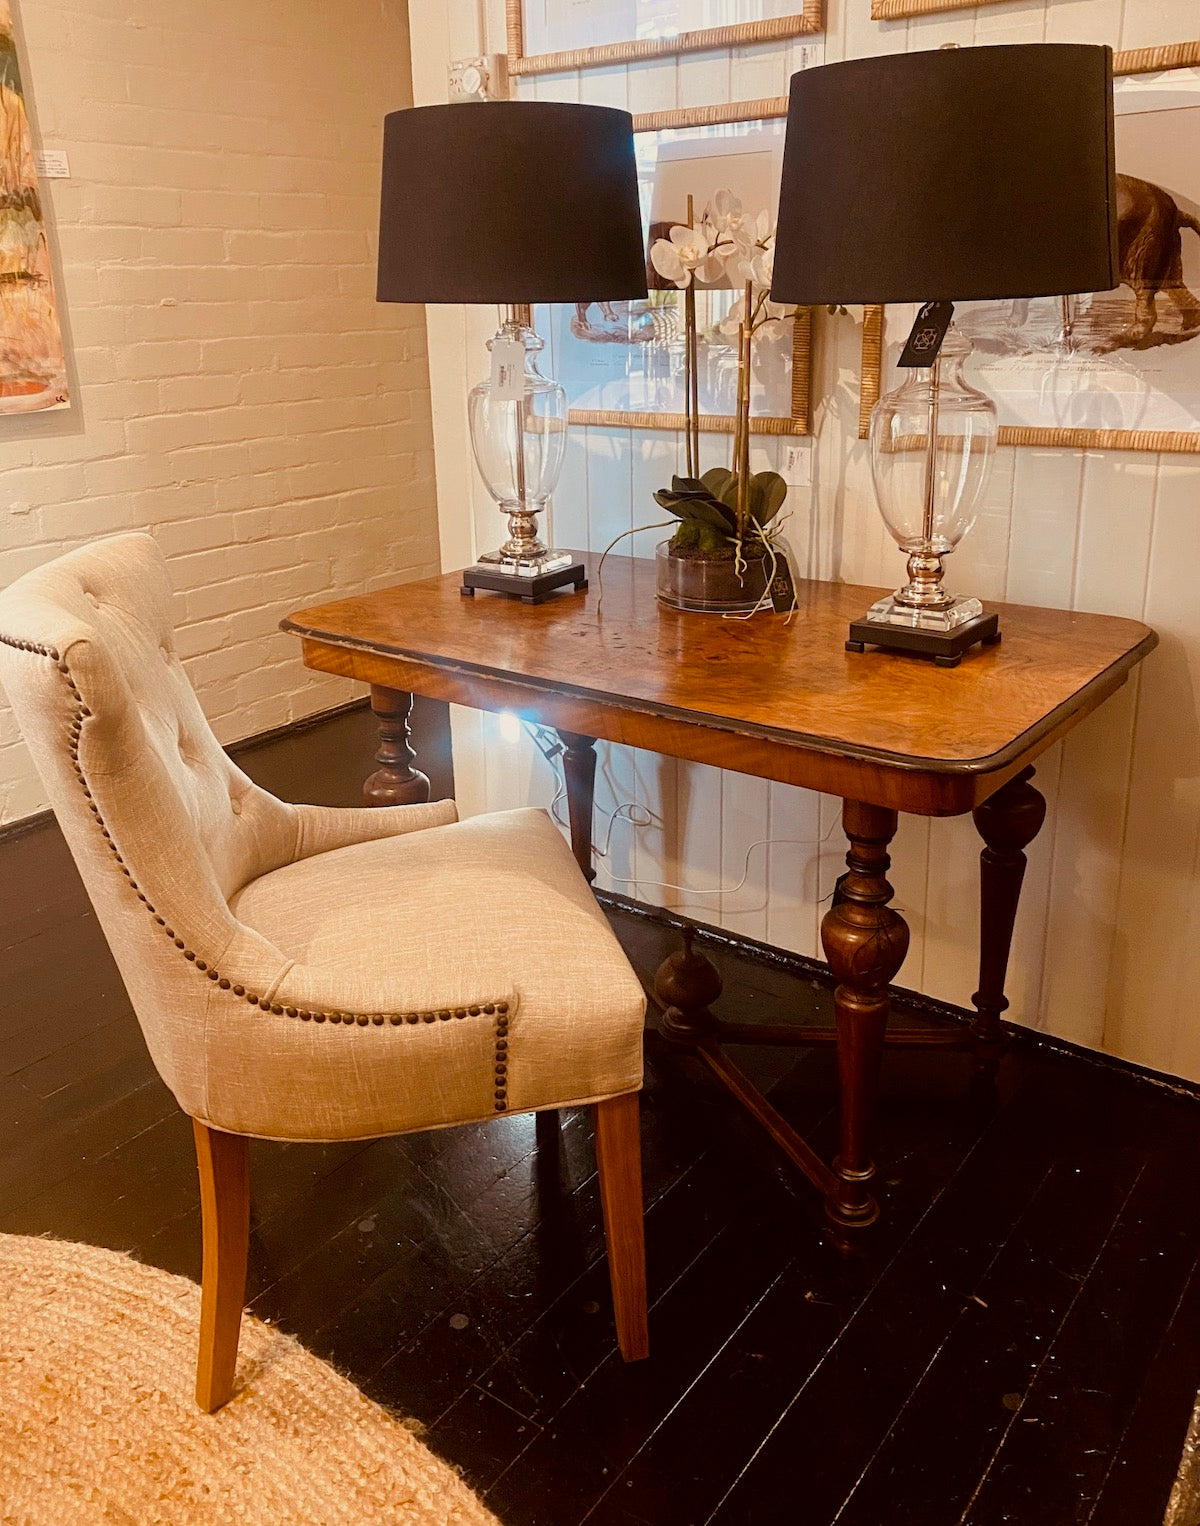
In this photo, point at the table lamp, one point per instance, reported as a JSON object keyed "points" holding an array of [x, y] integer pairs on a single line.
{"points": [[512, 202], [936, 177]]}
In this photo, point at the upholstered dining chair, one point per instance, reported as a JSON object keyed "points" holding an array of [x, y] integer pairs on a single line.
{"points": [[305, 973]]}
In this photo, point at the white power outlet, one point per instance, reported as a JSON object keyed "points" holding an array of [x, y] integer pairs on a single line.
{"points": [[479, 79]]}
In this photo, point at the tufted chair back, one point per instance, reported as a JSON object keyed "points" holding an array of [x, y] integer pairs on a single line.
{"points": [[163, 826]]}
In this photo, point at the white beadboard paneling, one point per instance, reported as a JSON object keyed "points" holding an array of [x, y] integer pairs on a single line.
{"points": [[760, 71], [941, 30], [656, 845], [1011, 23], [1116, 511], [550, 87], [1107, 947], [610, 455], [1152, 23], [699, 825], [1085, 873], [792, 877], [703, 78], [980, 562], [470, 771], [652, 86], [656, 460], [863, 38], [1085, 21], [1045, 522], [605, 87], [910, 878], [745, 820], [1151, 1015], [567, 521]]}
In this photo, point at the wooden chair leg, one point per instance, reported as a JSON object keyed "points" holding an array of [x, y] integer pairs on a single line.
{"points": [[225, 1214], [619, 1159]]}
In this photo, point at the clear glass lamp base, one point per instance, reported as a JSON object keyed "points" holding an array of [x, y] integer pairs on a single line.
{"points": [[890, 611]]}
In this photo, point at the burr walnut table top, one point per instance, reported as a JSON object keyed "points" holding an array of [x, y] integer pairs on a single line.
{"points": [[769, 696]]}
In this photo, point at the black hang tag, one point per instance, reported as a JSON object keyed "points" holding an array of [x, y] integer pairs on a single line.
{"points": [[783, 588], [927, 334]]}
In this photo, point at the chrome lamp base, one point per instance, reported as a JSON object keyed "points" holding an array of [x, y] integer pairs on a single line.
{"points": [[943, 634]]}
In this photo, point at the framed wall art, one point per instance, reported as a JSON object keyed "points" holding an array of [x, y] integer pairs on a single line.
{"points": [[1116, 370], [622, 362], [33, 372], [544, 37]]}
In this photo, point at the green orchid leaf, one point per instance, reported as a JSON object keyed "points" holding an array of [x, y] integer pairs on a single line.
{"points": [[698, 506], [718, 480], [767, 493]]}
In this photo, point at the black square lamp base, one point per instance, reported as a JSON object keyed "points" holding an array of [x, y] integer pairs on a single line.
{"points": [[945, 647], [530, 590]]}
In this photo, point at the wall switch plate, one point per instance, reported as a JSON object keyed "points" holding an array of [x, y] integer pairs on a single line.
{"points": [[479, 79], [52, 163]]}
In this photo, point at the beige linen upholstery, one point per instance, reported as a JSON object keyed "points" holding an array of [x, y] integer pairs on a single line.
{"points": [[299, 972]]}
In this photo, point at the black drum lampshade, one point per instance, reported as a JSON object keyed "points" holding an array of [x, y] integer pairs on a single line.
{"points": [[510, 202], [950, 175]]}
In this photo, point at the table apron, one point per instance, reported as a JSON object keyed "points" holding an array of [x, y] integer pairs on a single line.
{"points": [[912, 789]]}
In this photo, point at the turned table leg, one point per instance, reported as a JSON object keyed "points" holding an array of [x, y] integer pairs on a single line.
{"points": [[686, 984], [579, 775], [395, 781], [865, 941], [1008, 822]]}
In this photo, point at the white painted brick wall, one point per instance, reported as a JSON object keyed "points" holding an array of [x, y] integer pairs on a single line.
{"points": [[237, 390]]}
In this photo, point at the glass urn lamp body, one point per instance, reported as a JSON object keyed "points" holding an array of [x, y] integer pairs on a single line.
{"points": [[518, 424], [932, 444]]}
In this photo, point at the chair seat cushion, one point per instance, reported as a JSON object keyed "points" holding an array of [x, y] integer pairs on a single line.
{"points": [[474, 971]]}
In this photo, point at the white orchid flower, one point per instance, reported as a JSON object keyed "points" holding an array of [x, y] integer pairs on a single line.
{"points": [[686, 256], [725, 213], [768, 319]]}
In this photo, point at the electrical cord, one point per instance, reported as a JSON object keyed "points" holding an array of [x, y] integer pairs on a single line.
{"points": [[552, 749]]}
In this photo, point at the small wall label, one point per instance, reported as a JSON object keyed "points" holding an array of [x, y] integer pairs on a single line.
{"points": [[52, 163]]}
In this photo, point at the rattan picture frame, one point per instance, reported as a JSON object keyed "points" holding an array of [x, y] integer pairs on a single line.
{"points": [[1135, 61], [799, 421], [803, 23]]}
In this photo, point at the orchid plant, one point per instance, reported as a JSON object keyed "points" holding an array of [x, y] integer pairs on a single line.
{"points": [[723, 507]]}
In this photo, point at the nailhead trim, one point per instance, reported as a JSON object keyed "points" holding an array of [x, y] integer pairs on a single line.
{"points": [[496, 1010]]}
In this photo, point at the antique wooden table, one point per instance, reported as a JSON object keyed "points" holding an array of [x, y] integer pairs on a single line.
{"points": [[780, 699]]}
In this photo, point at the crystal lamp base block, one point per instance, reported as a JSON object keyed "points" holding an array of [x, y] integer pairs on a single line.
{"points": [[891, 611], [526, 566]]}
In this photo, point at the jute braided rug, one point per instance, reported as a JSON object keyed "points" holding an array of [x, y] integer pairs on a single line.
{"points": [[97, 1423]]}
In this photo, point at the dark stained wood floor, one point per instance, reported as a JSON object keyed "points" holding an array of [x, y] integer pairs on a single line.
{"points": [[1018, 1341]]}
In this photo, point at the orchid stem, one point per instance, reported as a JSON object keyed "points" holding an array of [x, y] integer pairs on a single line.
{"points": [[742, 433], [691, 453]]}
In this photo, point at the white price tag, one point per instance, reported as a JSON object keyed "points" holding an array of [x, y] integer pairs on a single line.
{"points": [[52, 164], [797, 463], [508, 370]]}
